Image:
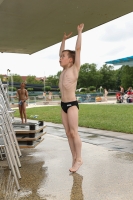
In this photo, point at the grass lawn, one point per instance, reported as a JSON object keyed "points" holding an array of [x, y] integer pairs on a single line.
{"points": [[117, 117]]}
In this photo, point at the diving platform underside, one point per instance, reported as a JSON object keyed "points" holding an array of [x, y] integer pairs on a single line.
{"points": [[28, 26]]}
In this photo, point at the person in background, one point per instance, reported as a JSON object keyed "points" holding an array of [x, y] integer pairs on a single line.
{"points": [[50, 96], [121, 90], [22, 96], [44, 96], [105, 94]]}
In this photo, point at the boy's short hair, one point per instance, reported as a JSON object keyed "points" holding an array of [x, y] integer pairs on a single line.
{"points": [[71, 54], [23, 83]]}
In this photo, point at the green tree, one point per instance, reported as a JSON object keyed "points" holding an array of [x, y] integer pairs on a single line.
{"points": [[32, 80], [117, 78], [108, 78], [52, 81], [58, 74], [92, 88], [12, 88], [126, 76], [89, 76], [16, 78], [47, 88]]}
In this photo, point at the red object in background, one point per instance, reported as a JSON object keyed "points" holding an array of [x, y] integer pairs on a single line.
{"points": [[129, 93], [118, 94]]}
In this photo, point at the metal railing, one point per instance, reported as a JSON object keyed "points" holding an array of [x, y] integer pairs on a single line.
{"points": [[55, 99], [37, 100]]}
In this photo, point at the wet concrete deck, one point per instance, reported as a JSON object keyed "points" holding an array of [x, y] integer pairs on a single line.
{"points": [[106, 174]]}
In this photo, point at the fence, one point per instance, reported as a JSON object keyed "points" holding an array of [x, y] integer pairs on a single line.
{"points": [[56, 99]]}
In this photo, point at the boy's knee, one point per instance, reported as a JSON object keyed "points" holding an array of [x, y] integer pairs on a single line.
{"points": [[68, 133], [73, 133]]}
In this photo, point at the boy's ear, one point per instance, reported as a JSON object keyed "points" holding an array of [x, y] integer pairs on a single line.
{"points": [[71, 60]]}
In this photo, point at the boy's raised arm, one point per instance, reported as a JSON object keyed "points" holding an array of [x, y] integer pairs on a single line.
{"points": [[78, 45], [62, 47]]}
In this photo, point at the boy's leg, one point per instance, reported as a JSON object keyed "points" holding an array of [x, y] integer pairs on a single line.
{"points": [[24, 111], [70, 139], [21, 114], [73, 126]]}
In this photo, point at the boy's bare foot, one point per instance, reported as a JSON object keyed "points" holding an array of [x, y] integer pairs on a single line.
{"points": [[73, 162], [76, 166]]}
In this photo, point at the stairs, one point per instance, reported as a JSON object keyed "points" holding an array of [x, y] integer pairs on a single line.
{"points": [[29, 135]]}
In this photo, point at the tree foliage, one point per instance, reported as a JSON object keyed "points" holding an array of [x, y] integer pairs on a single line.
{"points": [[107, 80], [52, 80], [127, 76], [106, 76], [32, 80], [15, 78], [47, 88], [89, 77], [12, 88]]}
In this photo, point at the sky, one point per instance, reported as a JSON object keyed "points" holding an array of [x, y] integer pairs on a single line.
{"points": [[109, 41]]}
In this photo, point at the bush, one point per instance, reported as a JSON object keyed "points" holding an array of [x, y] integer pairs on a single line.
{"points": [[47, 88], [30, 89], [83, 90], [92, 88], [12, 88]]}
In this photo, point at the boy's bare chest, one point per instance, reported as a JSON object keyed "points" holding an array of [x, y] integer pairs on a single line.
{"points": [[22, 92], [68, 75]]}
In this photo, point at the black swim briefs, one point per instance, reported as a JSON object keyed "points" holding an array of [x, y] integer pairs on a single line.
{"points": [[67, 105]]}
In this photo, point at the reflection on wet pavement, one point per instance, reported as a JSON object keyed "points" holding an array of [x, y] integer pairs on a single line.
{"points": [[7, 186], [125, 156], [33, 172], [76, 192]]}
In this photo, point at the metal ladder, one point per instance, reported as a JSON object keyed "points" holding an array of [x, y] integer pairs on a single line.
{"points": [[10, 117], [8, 141]]}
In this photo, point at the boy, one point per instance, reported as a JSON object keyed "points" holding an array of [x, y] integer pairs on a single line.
{"points": [[70, 61], [22, 95]]}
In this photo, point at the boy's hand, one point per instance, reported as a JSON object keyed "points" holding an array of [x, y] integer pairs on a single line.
{"points": [[67, 36], [80, 27]]}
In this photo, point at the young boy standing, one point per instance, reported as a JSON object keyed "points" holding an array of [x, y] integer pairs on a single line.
{"points": [[22, 95], [70, 61]]}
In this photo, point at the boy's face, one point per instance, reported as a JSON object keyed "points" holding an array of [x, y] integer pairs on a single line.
{"points": [[64, 59], [22, 85]]}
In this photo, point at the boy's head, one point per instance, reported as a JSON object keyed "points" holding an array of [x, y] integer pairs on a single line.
{"points": [[22, 85], [71, 54], [67, 57]]}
